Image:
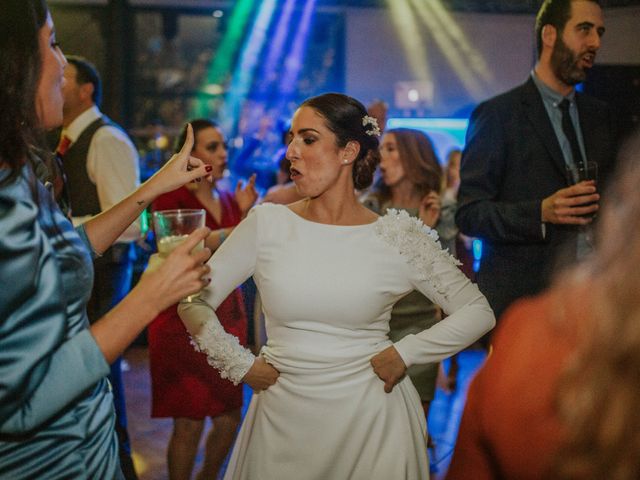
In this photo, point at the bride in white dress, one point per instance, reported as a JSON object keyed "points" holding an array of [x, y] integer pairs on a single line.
{"points": [[332, 401]]}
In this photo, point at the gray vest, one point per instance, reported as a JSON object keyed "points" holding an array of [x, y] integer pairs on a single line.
{"points": [[83, 194]]}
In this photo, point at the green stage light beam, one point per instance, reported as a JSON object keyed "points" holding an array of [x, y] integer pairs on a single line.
{"points": [[222, 64]]}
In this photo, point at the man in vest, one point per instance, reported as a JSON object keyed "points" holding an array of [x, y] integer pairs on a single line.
{"points": [[101, 166]]}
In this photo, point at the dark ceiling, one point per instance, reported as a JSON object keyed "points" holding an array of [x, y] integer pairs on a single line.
{"points": [[487, 6]]}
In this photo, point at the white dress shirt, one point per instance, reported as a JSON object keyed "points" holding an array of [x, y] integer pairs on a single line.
{"points": [[112, 165]]}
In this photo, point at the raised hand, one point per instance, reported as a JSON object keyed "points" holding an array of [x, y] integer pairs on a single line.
{"points": [[183, 273], [429, 211], [568, 205], [261, 375], [181, 169], [246, 195], [389, 367]]}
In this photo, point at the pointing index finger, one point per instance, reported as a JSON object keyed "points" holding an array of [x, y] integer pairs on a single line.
{"points": [[187, 146]]}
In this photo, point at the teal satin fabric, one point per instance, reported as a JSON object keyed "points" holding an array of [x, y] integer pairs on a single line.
{"points": [[56, 412]]}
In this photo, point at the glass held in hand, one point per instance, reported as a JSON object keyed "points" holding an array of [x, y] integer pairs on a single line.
{"points": [[172, 227], [585, 171]]}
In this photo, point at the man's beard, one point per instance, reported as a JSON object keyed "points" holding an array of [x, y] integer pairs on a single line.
{"points": [[564, 63]]}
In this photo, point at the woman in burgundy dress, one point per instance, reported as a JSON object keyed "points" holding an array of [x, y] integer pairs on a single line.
{"points": [[184, 386]]}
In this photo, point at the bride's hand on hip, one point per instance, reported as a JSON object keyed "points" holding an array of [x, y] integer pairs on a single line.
{"points": [[261, 375], [389, 367]]}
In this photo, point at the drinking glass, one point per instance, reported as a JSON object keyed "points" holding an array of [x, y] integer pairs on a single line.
{"points": [[172, 227], [585, 171]]}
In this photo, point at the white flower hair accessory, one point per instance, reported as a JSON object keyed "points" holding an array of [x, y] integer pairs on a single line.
{"points": [[370, 121]]}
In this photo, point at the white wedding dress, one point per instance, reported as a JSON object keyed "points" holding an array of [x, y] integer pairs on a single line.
{"points": [[327, 293]]}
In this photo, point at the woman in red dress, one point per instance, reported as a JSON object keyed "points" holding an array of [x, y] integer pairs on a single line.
{"points": [[184, 386]]}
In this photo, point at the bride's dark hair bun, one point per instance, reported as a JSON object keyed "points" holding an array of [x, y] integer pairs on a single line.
{"points": [[345, 117]]}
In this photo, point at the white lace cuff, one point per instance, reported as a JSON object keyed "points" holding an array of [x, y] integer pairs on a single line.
{"points": [[223, 350], [416, 242]]}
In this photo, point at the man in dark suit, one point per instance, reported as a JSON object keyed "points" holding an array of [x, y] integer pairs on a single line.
{"points": [[518, 189]]}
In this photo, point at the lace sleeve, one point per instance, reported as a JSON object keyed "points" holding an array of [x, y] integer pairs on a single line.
{"points": [[223, 350], [434, 273], [231, 265], [417, 243]]}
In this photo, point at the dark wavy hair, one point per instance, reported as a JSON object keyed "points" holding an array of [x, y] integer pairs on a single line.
{"points": [[419, 162], [556, 13], [197, 124], [344, 116], [20, 60]]}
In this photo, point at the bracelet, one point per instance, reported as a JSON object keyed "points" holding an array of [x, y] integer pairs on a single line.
{"points": [[222, 236]]}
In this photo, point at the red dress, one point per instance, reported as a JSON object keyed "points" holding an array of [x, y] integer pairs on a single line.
{"points": [[183, 383]]}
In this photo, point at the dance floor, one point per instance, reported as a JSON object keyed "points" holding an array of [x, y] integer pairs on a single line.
{"points": [[149, 436]]}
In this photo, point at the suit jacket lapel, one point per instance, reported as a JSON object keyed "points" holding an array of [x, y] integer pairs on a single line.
{"points": [[537, 115]]}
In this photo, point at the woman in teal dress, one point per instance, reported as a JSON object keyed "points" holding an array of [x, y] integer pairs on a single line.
{"points": [[410, 179], [56, 410]]}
